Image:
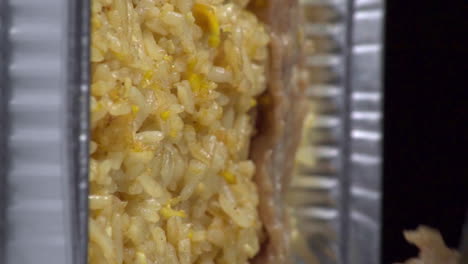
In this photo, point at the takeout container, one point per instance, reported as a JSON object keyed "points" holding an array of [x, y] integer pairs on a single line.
{"points": [[44, 77]]}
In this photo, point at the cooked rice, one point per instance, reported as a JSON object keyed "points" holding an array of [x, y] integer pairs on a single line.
{"points": [[173, 87]]}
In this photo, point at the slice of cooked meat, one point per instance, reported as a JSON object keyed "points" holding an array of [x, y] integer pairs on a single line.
{"points": [[432, 247], [279, 123]]}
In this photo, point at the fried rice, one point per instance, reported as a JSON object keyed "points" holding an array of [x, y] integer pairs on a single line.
{"points": [[174, 89]]}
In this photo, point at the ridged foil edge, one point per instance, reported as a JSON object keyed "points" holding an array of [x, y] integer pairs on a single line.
{"points": [[44, 74], [364, 136], [3, 124], [339, 192], [78, 123]]}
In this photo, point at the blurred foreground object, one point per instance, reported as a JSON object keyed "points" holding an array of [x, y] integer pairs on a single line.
{"points": [[432, 247], [464, 241], [336, 195]]}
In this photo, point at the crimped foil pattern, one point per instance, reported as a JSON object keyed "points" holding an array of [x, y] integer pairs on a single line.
{"points": [[44, 131], [336, 192]]}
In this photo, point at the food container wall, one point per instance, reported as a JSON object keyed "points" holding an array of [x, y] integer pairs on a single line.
{"points": [[336, 191], [43, 131]]}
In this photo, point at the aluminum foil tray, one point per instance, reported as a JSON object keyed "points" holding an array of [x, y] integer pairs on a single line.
{"points": [[43, 129], [336, 192], [44, 79]]}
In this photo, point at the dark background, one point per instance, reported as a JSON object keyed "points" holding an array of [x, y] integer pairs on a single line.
{"points": [[426, 121]]}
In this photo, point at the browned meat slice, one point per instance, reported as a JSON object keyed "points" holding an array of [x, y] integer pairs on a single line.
{"points": [[432, 246], [279, 123]]}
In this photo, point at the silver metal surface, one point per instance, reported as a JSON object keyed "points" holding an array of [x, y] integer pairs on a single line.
{"points": [[315, 190], [44, 130], [3, 127], [78, 72], [337, 194], [364, 133], [37, 204]]}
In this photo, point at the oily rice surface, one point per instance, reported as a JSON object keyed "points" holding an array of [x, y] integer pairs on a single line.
{"points": [[174, 86]]}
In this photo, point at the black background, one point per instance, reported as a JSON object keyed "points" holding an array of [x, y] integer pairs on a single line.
{"points": [[426, 121]]}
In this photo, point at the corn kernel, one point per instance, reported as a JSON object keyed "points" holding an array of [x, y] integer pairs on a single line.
{"points": [[165, 115], [206, 18], [135, 109], [147, 77], [195, 82], [119, 55], [98, 107], [229, 177], [168, 212]]}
